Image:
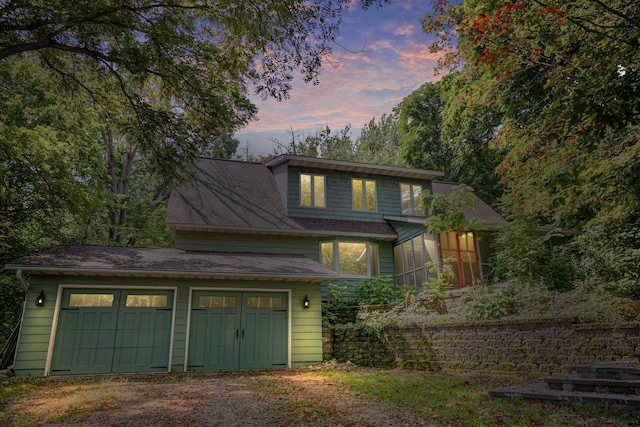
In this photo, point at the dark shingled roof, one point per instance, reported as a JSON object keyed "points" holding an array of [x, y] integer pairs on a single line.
{"points": [[234, 196], [161, 262], [480, 212]]}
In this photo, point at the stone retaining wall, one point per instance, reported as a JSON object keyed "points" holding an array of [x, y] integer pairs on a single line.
{"points": [[533, 347]]}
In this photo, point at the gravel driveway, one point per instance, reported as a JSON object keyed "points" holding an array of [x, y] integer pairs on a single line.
{"points": [[241, 398]]}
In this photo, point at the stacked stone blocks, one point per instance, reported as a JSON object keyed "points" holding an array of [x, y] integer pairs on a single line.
{"points": [[516, 346]]}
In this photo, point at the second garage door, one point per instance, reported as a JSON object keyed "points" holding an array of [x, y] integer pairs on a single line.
{"points": [[238, 330]]}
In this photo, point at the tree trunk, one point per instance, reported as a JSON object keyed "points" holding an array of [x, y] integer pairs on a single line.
{"points": [[120, 177]]}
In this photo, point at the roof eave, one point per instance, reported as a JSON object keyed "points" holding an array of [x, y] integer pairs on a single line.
{"points": [[70, 271], [278, 232], [353, 167]]}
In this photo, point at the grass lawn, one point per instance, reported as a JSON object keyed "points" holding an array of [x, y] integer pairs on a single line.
{"points": [[463, 400]]}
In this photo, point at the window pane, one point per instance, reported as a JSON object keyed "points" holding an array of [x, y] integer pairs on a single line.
{"points": [[418, 252], [452, 239], [352, 259], [430, 244], [375, 263], [405, 191], [451, 259], [371, 195], [409, 279], [265, 302], [318, 191], [466, 241], [397, 259], [356, 186], [146, 301], [216, 302], [91, 300], [326, 254], [418, 205], [421, 276], [408, 256], [305, 190]]}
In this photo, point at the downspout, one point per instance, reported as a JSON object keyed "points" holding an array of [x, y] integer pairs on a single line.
{"points": [[23, 282]]}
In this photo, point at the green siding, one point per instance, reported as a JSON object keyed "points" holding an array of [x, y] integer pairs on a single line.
{"points": [[307, 246], [35, 331], [280, 175], [338, 195], [194, 241], [406, 231], [306, 324]]}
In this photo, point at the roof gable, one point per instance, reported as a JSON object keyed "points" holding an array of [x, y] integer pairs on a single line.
{"points": [[480, 211], [240, 197]]}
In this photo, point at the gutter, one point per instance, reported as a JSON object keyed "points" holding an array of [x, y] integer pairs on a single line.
{"points": [[21, 279], [225, 275]]}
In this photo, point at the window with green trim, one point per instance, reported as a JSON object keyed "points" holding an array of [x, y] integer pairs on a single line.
{"points": [[411, 198], [312, 190], [351, 259], [364, 195]]}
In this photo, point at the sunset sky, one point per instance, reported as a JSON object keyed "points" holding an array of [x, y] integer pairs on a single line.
{"points": [[390, 60]]}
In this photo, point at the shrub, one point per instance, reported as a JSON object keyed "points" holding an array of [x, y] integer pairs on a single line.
{"points": [[531, 300], [610, 254], [524, 253]]}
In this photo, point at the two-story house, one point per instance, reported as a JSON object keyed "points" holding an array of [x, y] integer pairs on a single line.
{"points": [[242, 288]]}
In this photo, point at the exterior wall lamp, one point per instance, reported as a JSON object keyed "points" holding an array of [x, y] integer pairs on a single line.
{"points": [[40, 299], [305, 302]]}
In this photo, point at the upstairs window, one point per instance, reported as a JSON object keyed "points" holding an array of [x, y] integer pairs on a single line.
{"points": [[411, 195], [364, 195], [312, 190], [351, 259]]}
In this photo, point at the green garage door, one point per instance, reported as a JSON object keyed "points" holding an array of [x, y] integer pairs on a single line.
{"points": [[107, 330], [238, 330]]}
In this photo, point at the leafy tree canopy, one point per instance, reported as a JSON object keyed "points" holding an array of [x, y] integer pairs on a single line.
{"points": [[181, 69], [563, 77]]}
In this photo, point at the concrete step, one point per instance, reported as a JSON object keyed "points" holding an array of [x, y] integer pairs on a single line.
{"points": [[611, 371], [540, 391], [597, 385]]}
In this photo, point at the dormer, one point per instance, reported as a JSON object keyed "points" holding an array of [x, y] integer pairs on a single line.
{"points": [[336, 189]]}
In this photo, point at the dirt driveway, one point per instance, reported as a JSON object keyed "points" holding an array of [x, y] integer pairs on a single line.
{"points": [[245, 398]]}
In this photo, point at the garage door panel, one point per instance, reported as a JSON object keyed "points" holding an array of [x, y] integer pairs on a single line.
{"points": [[214, 331], [84, 336], [97, 333], [245, 330]]}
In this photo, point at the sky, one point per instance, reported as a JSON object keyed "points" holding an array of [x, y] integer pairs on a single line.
{"points": [[381, 57]]}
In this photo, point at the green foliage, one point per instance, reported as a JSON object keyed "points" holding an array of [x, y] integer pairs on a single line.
{"points": [[180, 71], [446, 211], [526, 253], [419, 121], [549, 93], [379, 142], [532, 300], [424, 304], [378, 290], [10, 305], [610, 255], [337, 300]]}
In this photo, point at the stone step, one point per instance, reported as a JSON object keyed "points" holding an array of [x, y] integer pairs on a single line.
{"points": [[610, 371], [597, 385], [539, 391]]}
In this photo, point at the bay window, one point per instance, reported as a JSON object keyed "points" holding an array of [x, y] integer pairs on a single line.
{"points": [[351, 259]]}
